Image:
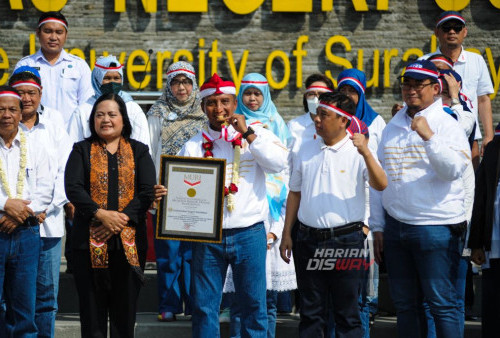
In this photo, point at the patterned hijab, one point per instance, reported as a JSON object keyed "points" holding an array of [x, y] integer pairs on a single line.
{"points": [[103, 65], [268, 115], [357, 79], [180, 120]]}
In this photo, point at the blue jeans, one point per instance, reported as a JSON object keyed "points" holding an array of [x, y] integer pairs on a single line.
{"points": [[422, 262], [284, 303], [47, 286], [173, 265], [19, 253], [460, 286], [245, 249], [235, 326]]}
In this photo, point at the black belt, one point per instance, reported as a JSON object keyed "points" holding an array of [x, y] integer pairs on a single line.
{"points": [[31, 221], [324, 234]]}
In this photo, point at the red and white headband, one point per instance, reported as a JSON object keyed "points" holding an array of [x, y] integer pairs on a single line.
{"points": [[321, 89], [9, 93], [442, 60], [180, 70], [335, 109], [217, 86], [50, 19], [25, 83], [352, 80], [108, 68], [257, 83]]}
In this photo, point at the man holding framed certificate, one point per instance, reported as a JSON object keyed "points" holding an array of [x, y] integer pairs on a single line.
{"points": [[250, 152]]}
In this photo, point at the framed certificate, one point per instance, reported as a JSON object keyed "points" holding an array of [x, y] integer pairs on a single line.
{"points": [[194, 205]]}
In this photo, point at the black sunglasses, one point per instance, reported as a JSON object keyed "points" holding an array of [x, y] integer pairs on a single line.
{"points": [[448, 28]]}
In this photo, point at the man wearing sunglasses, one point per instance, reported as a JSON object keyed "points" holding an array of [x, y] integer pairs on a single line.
{"points": [[451, 31]]}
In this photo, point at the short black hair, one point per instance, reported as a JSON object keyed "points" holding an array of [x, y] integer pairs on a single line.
{"points": [[315, 78], [57, 15], [122, 107], [11, 89], [24, 76], [341, 101]]}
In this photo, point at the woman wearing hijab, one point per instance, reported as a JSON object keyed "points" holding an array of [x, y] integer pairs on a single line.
{"points": [[352, 82], [109, 179], [255, 103], [174, 119], [107, 77]]}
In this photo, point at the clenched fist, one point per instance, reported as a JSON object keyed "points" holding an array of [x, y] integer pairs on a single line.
{"points": [[420, 125]]}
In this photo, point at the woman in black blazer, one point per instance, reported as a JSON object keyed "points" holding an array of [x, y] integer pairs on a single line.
{"points": [[109, 178]]}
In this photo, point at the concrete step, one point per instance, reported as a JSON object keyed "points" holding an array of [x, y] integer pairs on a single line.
{"points": [[148, 297], [68, 326]]}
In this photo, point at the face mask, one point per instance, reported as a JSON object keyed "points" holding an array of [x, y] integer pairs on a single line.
{"points": [[111, 87], [312, 105]]}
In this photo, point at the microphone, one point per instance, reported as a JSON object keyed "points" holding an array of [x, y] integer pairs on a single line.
{"points": [[150, 51]]}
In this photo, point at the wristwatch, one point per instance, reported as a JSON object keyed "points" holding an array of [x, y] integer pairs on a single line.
{"points": [[454, 101], [249, 132]]}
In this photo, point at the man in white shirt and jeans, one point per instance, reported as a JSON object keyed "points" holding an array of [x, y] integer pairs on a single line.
{"points": [[40, 125], [328, 196], [25, 193], [243, 244], [419, 218]]}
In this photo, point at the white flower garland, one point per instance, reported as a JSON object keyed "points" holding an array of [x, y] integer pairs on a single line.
{"points": [[21, 175]]}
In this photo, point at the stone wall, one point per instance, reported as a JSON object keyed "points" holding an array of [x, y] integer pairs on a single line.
{"points": [[95, 26]]}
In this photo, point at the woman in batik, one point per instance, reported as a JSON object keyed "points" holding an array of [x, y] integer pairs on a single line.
{"points": [[174, 119], [109, 178]]}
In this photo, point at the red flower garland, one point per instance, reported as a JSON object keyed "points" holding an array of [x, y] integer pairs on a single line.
{"points": [[208, 146]]}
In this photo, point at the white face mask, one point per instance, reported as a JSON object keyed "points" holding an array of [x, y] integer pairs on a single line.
{"points": [[312, 105]]}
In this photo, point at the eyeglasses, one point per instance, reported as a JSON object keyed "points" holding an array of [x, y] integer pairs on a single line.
{"points": [[177, 83], [418, 87], [12, 110], [448, 28]]}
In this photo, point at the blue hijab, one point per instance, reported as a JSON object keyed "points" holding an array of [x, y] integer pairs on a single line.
{"points": [[357, 79], [271, 119], [102, 66]]}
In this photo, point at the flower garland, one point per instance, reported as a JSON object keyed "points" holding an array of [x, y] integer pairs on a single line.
{"points": [[21, 175], [208, 146]]}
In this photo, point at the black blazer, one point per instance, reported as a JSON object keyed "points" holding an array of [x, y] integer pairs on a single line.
{"points": [[484, 199], [77, 184]]}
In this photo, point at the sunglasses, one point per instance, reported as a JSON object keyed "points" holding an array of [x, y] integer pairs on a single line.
{"points": [[448, 28]]}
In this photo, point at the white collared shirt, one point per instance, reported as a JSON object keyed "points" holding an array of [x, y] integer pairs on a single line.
{"points": [[476, 80], [66, 84], [425, 185], [331, 180], [266, 154], [54, 139], [38, 183], [78, 125]]}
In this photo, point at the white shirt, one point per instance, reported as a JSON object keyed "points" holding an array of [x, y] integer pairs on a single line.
{"points": [[78, 125], [38, 181], [54, 139], [266, 154], [331, 180], [302, 129], [425, 185], [476, 79], [66, 84]]}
